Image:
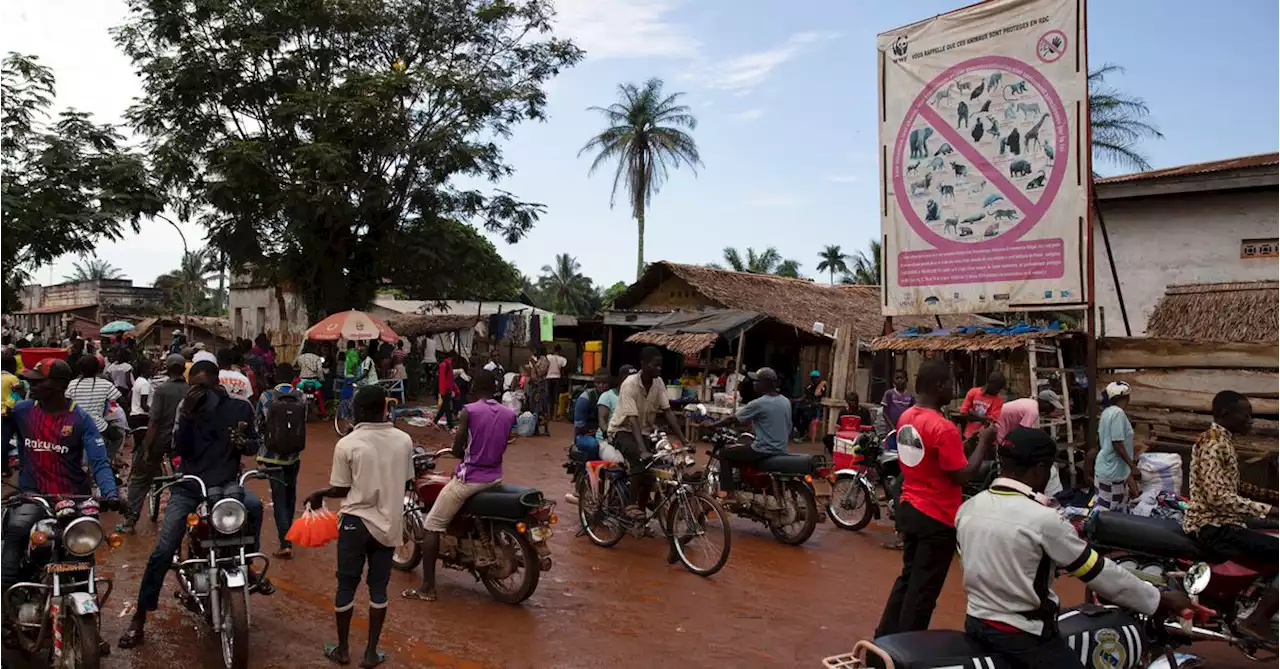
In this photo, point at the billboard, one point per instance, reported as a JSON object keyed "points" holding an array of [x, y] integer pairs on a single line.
{"points": [[984, 159]]}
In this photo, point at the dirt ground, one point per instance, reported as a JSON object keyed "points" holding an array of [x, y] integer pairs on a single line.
{"points": [[771, 606]]}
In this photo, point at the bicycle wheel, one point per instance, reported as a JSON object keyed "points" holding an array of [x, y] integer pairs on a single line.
{"points": [[699, 533], [601, 517], [343, 420]]}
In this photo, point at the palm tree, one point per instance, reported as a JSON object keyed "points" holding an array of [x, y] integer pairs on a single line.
{"points": [[645, 137], [94, 269], [867, 268], [188, 286], [768, 261], [1118, 122], [565, 288], [833, 260]]}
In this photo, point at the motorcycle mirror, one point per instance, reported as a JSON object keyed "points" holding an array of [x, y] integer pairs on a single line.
{"points": [[1197, 579]]}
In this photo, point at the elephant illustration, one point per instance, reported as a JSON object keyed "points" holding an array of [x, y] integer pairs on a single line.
{"points": [[931, 211], [1019, 168], [1005, 215], [945, 149], [994, 80], [919, 140], [962, 114], [937, 163]]}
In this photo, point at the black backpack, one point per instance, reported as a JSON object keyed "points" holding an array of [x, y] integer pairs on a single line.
{"points": [[285, 423]]}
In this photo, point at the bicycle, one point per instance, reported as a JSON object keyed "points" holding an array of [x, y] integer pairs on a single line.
{"points": [[344, 418], [689, 513]]}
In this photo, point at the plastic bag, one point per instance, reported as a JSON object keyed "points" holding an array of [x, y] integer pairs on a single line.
{"points": [[314, 528], [1160, 472]]}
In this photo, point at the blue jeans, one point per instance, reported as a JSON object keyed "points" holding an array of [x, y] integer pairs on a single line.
{"points": [[182, 501]]}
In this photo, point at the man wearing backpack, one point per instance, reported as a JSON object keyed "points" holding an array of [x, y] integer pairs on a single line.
{"points": [[282, 422]]}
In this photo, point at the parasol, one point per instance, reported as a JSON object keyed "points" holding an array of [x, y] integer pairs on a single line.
{"points": [[116, 327], [352, 324]]}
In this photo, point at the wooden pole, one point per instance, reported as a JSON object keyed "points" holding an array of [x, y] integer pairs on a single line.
{"points": [[608, 351], [737, 367]]}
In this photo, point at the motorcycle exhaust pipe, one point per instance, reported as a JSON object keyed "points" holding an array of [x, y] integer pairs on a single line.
{"points": [[1198, 633]]}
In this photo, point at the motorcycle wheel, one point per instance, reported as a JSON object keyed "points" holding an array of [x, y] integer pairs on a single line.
{"points": [[850, 504], [80, 642], [233, 629], [409, 554], [599, 517], [698, 519], [801, 495], [521, 583]]}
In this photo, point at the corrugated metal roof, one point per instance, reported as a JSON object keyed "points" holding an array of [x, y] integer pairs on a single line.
{"points": [[1260, 160], [56, 309]]}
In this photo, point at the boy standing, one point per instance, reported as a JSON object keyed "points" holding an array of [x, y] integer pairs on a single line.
{"points": [[282, 422]]}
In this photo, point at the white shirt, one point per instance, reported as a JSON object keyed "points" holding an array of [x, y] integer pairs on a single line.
{"points": [[429, 351], [368, 372], [236, 384], [555, 364], [119, 373], [141, 388], [374, 461]]}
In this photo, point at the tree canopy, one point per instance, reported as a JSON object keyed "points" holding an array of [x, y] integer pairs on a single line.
{"points": [[93, 269], [564, 289], [326, 143], [68, 183], [867, 268], [768, 261]]}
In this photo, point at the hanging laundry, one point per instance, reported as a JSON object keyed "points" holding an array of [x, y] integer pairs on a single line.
{"points": [[548, 324]]}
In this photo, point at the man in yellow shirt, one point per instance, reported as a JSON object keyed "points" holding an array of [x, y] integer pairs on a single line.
{"points": [[10, 384]]}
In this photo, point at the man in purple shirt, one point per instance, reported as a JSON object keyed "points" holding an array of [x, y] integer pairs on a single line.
{"points": [[481, 439], [897, 399]]}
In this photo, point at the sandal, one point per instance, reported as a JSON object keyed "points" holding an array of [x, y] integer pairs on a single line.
{"points": [[378, 658], [132, 638], [331, 653], [634, 513], [285, 553], [414, 593]]}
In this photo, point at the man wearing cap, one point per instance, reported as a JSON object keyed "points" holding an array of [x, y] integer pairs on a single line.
{"points": [[1115, 468], [156, 445], [770, 419], [1011, 546], [1027, 412], [54, 436]]}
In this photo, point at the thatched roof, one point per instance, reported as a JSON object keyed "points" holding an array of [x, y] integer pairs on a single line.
{"points": [[960, 342], [688, 344], [796, 302], [417, 325], [1222, 312], [214, 326]]}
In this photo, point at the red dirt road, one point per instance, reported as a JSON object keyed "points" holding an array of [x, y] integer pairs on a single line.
{"points": [[771, 606]]}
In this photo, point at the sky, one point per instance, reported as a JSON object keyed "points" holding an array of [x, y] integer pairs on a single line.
{"points": [[785, 96]]}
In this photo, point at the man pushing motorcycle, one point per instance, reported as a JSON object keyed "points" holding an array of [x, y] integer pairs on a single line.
{"points": [[1011, 545]]}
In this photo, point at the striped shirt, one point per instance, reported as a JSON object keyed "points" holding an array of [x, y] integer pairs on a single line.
{"points": [[92, 394], [51, 448]]}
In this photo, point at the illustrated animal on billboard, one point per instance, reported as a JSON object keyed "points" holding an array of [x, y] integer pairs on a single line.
{"points": [[963, 86], [948, 192], [977, 131], [949, 226], [991, 199], [993, 81], [993, 129], [1033, 135], [1011, 113], [1005, 215], [1013, 142], [931, 211], [1016, 88], [978, 91], [945, 149], [911, 169], [1037, 182], [959, 169], [978, 187], [962, 114], [986, 107], [974, 218], [944, 94], [966, 231], [922, 187], [992, 231], [919, 141], [1029, 110], [937, 163], [1048, 152], [1019, 168]]}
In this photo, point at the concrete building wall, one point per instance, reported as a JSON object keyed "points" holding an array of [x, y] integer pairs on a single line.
{"points": [[1179, 238], [253, 309]]}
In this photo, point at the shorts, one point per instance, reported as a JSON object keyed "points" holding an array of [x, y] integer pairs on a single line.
{"points": [[454, 494], [356, 549]]}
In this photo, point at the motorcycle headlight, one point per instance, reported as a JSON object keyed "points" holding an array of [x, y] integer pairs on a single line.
{"points": [[82, 536], [228, 516]]}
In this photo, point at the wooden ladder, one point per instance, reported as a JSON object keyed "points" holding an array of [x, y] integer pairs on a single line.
{"points": [[1036, 347]]}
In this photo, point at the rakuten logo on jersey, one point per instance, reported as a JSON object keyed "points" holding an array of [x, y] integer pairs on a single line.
{"points": [[44, 446]]}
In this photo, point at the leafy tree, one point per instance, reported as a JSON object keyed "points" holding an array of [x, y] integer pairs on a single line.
{"points": [[317, 141], [565, 289], [833, 261], [187, 288], [68, 184], [458, 263], [644, 136], [612, 292], [768, 261], [867, 266], [1118, 121], [93, 269]]}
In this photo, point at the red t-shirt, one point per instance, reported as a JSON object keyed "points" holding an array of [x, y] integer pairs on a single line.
{"points": [[444, 377], [928, 446], [978, 401]]}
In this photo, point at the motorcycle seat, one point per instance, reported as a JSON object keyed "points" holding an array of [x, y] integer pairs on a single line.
{"points": [[1153, 536], [503, 501], [788, 464], [933, 649]]}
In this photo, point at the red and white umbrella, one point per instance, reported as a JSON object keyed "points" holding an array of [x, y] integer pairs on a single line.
{"points": [[352, 324]]}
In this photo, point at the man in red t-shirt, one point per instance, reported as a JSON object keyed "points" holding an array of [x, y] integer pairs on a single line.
{"points": [[982, 405], [934, 469]]}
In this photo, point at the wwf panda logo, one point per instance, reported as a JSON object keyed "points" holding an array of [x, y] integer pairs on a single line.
{"points": [[900, 46], [910, 446]]}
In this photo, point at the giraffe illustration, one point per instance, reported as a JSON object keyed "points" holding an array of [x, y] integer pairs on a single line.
{"points": [[1033, 135]]}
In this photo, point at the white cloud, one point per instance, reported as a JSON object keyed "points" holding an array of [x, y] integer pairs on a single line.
{"points": [[748, 115], [740, 74], [623, 29], [844, 178], [776, 201]]}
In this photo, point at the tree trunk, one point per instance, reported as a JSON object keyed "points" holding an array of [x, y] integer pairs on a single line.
{"points": [[282, 312], [640, 243], [222, 284]]}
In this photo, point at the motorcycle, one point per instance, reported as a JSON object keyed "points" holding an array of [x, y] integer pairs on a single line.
{"points": [[213, 566], [865, 475], [52, 614], [776, 491], [499, 536], [1159, 550], [1104, 636]]}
